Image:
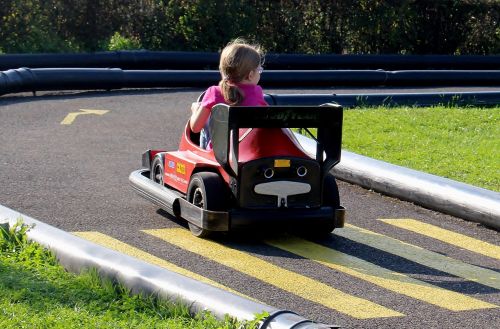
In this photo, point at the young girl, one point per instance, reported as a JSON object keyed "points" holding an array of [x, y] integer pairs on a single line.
{"points": [[240, 67]]}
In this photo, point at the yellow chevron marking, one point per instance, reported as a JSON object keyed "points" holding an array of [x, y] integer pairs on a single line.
{"points": [[421, 256], [292, 282], [70, 118], [380, 276], [456, 239], [112, 243]]}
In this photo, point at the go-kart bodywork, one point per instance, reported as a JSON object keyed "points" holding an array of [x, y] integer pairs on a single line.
{"points": [[257, 173]]}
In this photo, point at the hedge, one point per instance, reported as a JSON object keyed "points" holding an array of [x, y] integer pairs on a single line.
{"points": [[451, 27]]}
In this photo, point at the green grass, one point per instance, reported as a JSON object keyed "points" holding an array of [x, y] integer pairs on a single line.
{"points": [[462, 144], [36, 292]]}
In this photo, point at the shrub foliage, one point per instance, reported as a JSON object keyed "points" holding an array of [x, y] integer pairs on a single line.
{"points": [[314, 26]]}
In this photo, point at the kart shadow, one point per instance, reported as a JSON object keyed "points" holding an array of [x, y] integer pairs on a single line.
{"points": [[250, 234], [253, 241]]}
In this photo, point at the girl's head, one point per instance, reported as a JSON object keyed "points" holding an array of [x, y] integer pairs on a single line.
{"points": [[240, 62]]}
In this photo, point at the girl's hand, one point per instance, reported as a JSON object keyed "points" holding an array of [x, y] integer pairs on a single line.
{"points": [[199, 115], [195, 106]]}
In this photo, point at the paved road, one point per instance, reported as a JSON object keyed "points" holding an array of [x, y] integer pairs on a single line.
{"points": [[394, 265]]}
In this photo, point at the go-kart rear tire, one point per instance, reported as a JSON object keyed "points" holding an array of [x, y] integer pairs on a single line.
{"points": [[331, 198], [157, 169], [206, 190], [331, 195]]}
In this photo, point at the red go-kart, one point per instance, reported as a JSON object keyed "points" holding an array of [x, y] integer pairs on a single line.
{"points": [[256, 175]]}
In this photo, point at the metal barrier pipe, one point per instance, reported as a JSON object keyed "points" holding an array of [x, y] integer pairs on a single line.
{"points": [[328, 78], [444, 195], [77, 254], [481, 98], [124, 59], [144, 59], [385, 62], [438, 193], [443, 77], [25, 79], [170, 78], [79, 79]]}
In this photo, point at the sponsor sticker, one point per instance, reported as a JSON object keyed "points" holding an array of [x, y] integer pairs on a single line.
{"points": [[176, 178], [181, 168]]}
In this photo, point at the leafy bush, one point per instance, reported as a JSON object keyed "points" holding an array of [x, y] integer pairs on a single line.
{"points": [[26, 26], [315, 26], [119, 42]]}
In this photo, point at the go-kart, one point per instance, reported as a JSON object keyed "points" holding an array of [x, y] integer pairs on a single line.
{"points": [[258, 174]]}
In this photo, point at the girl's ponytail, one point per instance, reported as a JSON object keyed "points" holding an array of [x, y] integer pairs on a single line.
{"points": [[231, 93]]}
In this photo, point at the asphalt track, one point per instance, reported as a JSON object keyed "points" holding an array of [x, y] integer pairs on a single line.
{"points": [[74, 175]]}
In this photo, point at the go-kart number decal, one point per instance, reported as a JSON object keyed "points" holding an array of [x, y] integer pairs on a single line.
{"points": [[281, 163], [181, 168]]}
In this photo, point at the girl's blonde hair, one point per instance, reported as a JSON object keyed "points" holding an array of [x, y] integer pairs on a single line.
{"points": [[237, 60]]}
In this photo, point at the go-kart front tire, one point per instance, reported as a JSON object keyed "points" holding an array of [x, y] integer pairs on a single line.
{"points": [[157, 169]]}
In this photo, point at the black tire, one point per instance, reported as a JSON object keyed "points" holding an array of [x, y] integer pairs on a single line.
{"points": [[331, 195], [206, 190], [157, 169], [330, 198]]}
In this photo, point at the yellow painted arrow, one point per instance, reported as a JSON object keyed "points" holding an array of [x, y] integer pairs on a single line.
{"points": [[72, 116]]}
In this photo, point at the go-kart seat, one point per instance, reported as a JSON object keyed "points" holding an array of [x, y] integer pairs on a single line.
{"points": [[269, 142], [194, 137]]}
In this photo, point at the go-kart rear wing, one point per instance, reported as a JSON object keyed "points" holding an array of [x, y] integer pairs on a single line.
{"points": [[226, 120]]}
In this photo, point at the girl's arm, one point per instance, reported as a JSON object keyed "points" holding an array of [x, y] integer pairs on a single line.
{"points": [[199, 116]]}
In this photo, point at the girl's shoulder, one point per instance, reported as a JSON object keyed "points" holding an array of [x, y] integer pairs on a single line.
{"points": [[213, 95], [213, 90]]}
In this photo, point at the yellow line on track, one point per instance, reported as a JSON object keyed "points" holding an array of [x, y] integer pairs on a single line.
{"points": [[456, 239], [70, 118], [380, 276], [284, 279], [112, 243], [421, 256]]}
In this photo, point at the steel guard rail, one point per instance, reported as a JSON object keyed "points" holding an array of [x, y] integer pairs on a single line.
{"points": [[143, 59], [32, 80], [77, 254], [483, 98]]}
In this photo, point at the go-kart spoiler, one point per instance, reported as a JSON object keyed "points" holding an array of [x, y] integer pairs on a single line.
{"points": [[226, 120]]}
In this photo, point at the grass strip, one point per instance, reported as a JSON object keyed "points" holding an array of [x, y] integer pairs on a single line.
{"points": [[36, 292], [460, 143]]}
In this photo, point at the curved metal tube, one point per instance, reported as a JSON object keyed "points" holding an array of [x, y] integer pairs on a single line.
{"points": [[26, 80], [143, 59], [77, 254], [434, 192], [484, 98]]}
